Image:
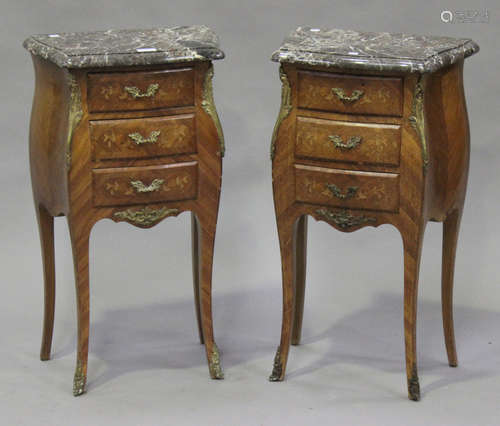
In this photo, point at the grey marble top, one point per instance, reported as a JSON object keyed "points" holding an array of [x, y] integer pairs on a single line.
{"points": [[127, 47], [372, 51]]}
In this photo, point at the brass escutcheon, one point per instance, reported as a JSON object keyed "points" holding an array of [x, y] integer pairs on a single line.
{"points": [[355, 96], [351, 143], [139, 139], [135, 92], [140, 187], [337, 192]]}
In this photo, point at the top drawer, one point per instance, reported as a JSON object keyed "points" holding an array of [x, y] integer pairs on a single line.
{"points": [[140, 90], [350, 94]]}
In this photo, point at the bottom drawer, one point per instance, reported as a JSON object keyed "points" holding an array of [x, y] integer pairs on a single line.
{"points": [[138, 185], [349, 189]]}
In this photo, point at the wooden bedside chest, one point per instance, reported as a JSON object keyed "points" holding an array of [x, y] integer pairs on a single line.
{"points": [[124, 127], [372, 129]]}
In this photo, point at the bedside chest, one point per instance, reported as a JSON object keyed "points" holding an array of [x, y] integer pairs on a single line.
{"points": [[124, 127], [372, 129]]}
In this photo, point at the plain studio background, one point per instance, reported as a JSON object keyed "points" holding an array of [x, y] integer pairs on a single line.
{"points": [[146, 366]]}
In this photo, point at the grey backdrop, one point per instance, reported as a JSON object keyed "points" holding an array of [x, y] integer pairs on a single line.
{"points": [[146, 367]]}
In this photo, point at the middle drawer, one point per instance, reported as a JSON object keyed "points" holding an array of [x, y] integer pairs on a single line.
{"points": [[138, 185], [365, 143], [143, 137]]}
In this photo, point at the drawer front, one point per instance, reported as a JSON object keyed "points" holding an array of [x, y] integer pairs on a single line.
{"points": [[348, 142], [140, 90], [142, 138], [350, 94], [349, 189], [138, 185]]}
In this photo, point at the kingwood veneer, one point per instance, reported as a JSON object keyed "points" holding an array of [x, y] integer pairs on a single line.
{"points": [[124, 127], [373, 129]]}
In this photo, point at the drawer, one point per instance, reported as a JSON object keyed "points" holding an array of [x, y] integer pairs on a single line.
{"points": [[350, 94], [343, 141], [140, 90], [349, 189], [142, 138], [139, 185]]}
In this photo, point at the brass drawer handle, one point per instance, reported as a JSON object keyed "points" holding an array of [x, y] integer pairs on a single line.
{"points": [[337, 192], [139, 139], [355, 96], [140, 187], [351, 143], [135, 92]]}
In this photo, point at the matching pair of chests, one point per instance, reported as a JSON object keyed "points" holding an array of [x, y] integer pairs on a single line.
{"points": [[372, 129]]}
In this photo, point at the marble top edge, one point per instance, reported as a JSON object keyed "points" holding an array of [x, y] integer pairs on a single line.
{"points": [[127, 47], [372, 51]]}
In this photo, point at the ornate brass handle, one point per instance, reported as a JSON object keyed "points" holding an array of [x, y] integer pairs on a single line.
{"points": [[351, 143], [337, 192], [139, 139], [355, 96], [135, 92], [140, 187]]}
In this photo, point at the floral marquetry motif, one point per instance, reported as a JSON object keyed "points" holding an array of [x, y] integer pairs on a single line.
{"points": [[379, 135], [145, 184]]}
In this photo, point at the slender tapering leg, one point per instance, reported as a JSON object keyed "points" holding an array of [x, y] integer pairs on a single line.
{"points": [[300, 277], [206, 229], [412, 253], [286, 232], [450, 236], [196, 272], [46, 229], [80, 244]]}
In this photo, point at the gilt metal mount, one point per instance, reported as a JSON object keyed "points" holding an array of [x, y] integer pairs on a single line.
{"points": [[417, 119], [208, 106], [277, 367], [351, 143], [214, 364], [139, 139], [79, 379], [152, 187], [146, 216], [356, 95], [136, 93], [337, 192], [286, 107], [343, 219]]}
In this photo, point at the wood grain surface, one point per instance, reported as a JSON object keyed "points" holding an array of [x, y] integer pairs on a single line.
{"points": [[347, 189], [139, 185], [380, 95], [431, 174], [67, 181], [348, 142], [143, 137], [108, 91]]}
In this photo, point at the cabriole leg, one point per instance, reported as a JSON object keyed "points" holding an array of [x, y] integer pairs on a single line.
{"points": [[46, 230], [412, 253], [451, 227], [80, 245], [300, 277], [195, 243], [286, 231]]}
